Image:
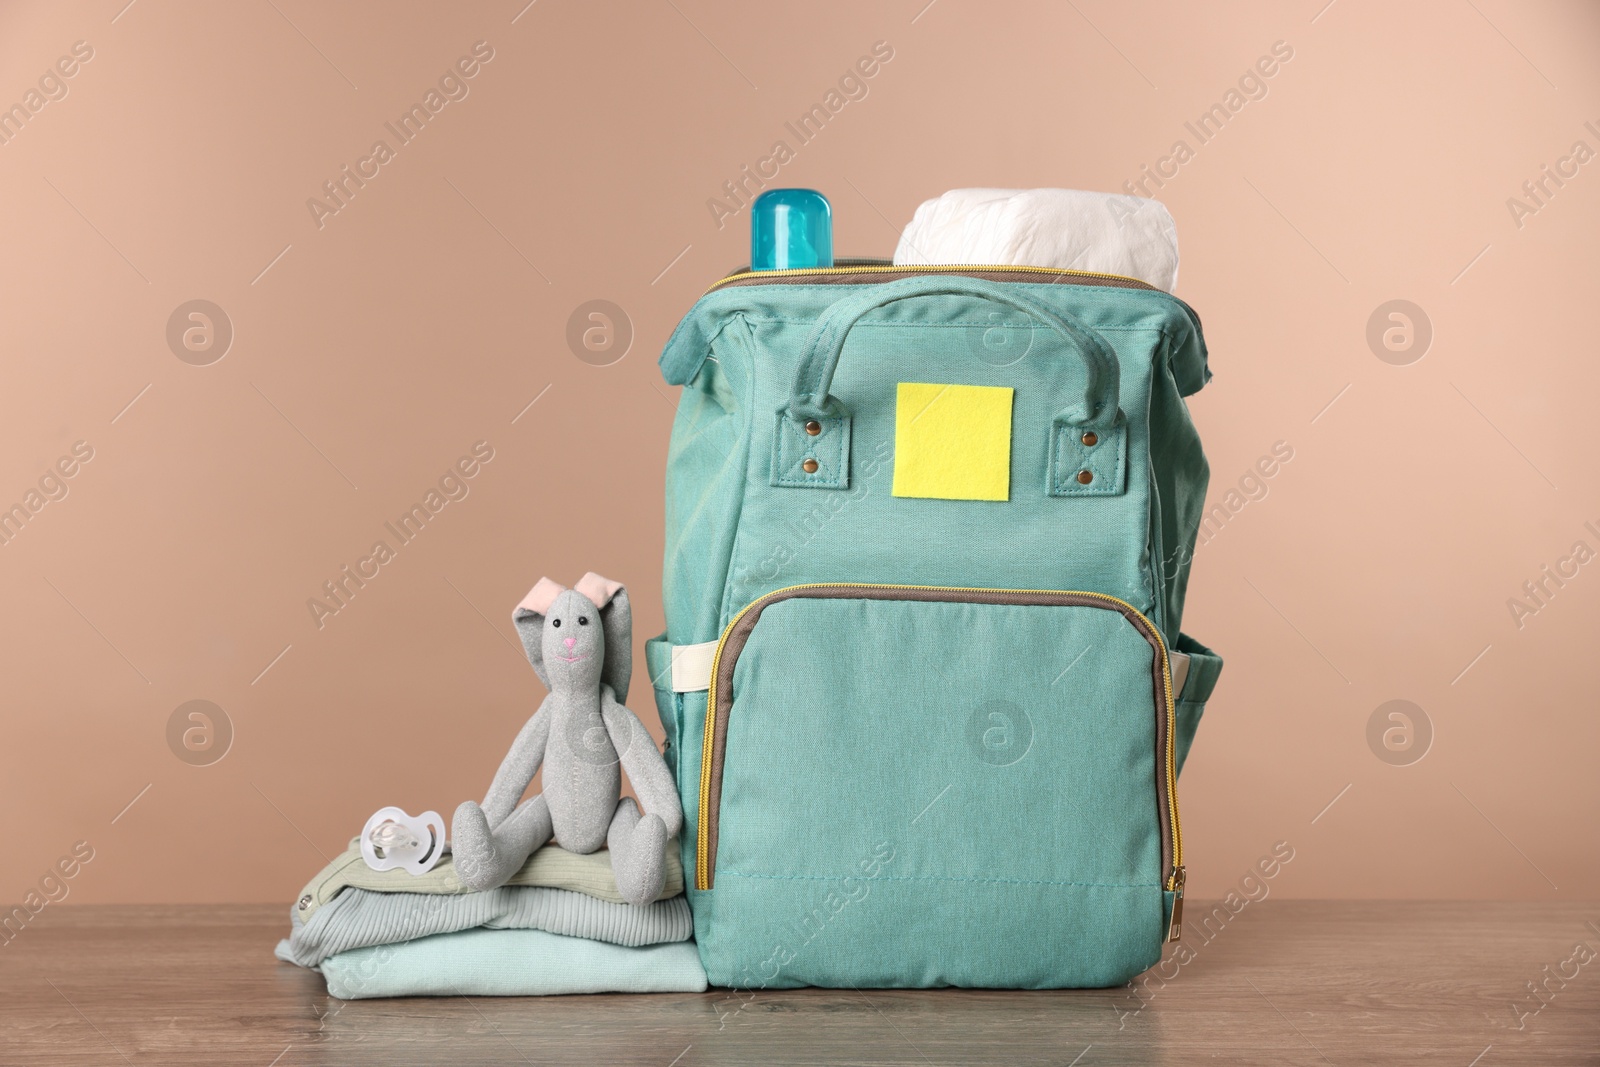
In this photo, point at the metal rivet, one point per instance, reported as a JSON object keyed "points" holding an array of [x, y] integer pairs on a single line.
{"points": [[813, 427], [305, 902], [1091, 438], [1084, 477], [809, 466]]}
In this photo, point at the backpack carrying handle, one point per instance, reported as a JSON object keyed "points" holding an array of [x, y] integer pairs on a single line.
{"points": [[812, 447], [814, 376]]}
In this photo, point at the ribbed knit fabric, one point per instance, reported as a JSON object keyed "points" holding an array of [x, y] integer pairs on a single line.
{"points": [[360, 918]]}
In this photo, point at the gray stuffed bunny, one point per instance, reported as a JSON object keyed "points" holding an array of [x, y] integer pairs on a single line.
{"points": [[580, 643]]}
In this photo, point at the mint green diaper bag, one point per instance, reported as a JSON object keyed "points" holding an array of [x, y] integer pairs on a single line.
{"points": [[926, 698]]}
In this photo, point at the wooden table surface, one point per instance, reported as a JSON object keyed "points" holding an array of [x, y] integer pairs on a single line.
{"points": [[1285, 982]]}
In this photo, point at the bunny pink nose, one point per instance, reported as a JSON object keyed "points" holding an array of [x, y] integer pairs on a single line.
{"points": [[569, 641]]}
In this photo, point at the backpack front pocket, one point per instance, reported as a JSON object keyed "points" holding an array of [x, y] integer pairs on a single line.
{"points": [[917, 786]]}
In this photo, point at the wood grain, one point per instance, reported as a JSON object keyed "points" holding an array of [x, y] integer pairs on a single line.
{"points": [[1283, 982]]}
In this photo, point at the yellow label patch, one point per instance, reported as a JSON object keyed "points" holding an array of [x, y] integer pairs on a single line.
{"points": [[952, 442]]}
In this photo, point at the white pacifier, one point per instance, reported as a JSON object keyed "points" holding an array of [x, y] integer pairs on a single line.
{"points": [[393, 839]]}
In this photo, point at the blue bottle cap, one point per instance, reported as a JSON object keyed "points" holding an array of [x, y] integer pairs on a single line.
{"points": [[791, 229]]}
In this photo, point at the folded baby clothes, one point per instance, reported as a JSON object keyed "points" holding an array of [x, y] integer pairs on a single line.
{"points": [[511, 963], [1104, 233], [361, 918], [551, 866], [557, 926]]}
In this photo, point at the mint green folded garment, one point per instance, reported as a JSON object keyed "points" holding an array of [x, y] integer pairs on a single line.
{"points": [[511, 963]]}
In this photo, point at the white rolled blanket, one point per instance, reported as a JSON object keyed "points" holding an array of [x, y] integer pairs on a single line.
{"points": [[1069, 229]]}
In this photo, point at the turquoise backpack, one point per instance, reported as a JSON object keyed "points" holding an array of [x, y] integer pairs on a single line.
{"points": [[924, 689]]}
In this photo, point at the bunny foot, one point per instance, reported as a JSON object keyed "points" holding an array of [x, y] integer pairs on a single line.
{"points": [[638, 847]]}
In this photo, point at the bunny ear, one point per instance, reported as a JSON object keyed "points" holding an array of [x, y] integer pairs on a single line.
{"points": [[598, 588], [542, 595], [529, 621], [616, 617]]}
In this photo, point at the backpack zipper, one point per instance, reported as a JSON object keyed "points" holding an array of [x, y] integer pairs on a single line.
{"points": [[1177, 873], [1050, 274]]}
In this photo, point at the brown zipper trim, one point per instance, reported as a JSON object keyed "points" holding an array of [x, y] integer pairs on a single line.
{"points": [[873, 274], [738, 634], [839, 262]]}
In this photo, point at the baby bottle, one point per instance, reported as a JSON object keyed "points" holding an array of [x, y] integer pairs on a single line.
{"points": [[791, 229]]}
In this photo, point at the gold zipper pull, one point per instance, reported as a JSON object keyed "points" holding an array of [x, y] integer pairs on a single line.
{"points": [[1175, 930]]}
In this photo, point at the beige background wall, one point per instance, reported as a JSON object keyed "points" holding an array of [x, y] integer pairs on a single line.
{"points": [[371, 351]]}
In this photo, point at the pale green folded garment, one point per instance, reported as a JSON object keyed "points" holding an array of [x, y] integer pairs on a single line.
{"points": [[511, 963], [360, 918], [550, 866]]}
